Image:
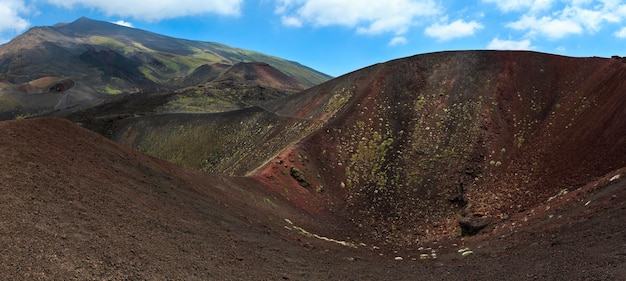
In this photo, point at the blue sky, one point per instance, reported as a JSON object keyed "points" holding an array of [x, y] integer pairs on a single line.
{"points": [[339, 36]]}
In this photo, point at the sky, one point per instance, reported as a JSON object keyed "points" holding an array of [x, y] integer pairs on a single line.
{"points": [[340, 36]]}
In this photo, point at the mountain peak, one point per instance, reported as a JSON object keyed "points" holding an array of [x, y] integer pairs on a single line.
{"points": [[45, 51], [86, 26], [86, 20]]}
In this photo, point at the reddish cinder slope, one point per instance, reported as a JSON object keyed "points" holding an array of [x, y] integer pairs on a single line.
{"points": [[45, 85], [392, 156], [412, 146], [78, 206], [405, 150], [262, 74]]}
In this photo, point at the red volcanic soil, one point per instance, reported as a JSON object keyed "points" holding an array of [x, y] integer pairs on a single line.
{"points": [[261, 73], [529, 146], [45, 85], [520, 143], [412, 146], [78, 206]]}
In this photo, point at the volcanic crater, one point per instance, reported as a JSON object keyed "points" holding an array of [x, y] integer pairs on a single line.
{"points": [[453, 165]]}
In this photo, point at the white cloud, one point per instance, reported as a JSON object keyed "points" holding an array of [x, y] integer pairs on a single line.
{"points": [[518, 5], [366, 16], [575, 17], [621, 33], [11, 16], [497, 44], [398, 40], [150, 10], [547, 26], [291, 21], [123, 23], [456, 29], [591, 19]]}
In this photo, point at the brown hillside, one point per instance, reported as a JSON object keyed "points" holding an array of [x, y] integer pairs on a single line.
{"points": [[46, 85], [260, 73], [78, 206], [204, 73], [406, 150], [418, 143], [516, 156]]}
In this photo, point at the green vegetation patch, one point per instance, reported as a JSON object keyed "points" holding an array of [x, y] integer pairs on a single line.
{"points": [[8, 103], [406, 160], [111, 43]]}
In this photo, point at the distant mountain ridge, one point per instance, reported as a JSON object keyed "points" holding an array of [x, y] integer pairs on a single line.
{"points": [[161, 57], [106, 58]]}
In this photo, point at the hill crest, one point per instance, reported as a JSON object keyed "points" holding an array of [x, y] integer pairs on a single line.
{"points": [[77, 37], [412, 144], [113, 59], [455, 165]]}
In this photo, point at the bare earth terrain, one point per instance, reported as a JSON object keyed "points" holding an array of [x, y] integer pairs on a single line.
{"points": [[445, 166], [118, 215]]}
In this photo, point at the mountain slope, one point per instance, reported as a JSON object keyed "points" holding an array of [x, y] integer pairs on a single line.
{"points": [[331, 192], [160, 58], [408, 148], [106, 58], [262, 74], [423, 141], [76, 205]]}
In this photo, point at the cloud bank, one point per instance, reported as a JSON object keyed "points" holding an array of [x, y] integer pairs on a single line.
{"points": [[528, 24], [497, 44], [555, 20], [368, 17], [12, 17], [456, 29], [123, 23], [149, 10]]}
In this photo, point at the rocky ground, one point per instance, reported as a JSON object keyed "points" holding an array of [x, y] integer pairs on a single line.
{"points": [[77, 206], [443, 166]]}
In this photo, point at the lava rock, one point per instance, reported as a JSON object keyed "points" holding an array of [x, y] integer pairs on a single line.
{"points": [[299, 176], [472, 225]]}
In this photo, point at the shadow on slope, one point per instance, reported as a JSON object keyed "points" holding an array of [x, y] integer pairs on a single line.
{"points": [[406, 149], [527, 147], [423, 142], [76, 205], [43, 96]]}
